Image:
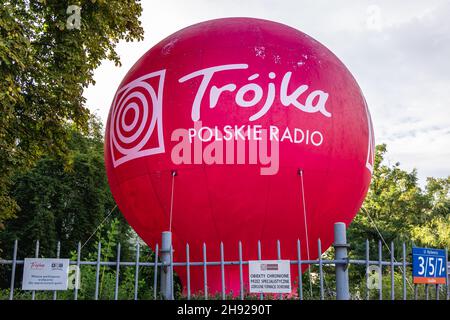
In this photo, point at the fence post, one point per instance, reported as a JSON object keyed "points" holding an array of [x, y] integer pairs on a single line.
{"points": [[340, 245], [166, 274]]}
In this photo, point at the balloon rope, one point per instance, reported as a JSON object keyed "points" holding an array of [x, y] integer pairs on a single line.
{"points": [[98, 227], [174, 173], [306, 229]]}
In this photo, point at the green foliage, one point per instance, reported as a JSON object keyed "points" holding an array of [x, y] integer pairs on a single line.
{"points": [[107, 274], [435, 232], [62, 198], [400, 210], [44, 69]]}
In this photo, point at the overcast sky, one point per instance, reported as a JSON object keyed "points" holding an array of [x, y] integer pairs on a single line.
{"points": [[398, 51]]}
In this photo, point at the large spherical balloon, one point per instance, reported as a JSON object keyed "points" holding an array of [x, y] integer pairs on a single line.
{"points": [[233, 130]]}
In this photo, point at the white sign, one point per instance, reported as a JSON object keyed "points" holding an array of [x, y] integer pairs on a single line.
{"points": [[269, 276], [45, 274]]}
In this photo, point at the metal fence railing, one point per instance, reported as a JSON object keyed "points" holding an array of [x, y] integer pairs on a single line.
{"points": [[162, 282]]}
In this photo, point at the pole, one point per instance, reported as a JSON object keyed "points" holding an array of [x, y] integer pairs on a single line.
{"points": [[166, 274], [340, 245]]}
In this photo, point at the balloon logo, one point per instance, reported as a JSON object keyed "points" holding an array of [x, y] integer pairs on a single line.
{"points": [[139, 101], [269, 135]]}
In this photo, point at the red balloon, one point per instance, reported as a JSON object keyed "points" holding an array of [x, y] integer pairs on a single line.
{"points": [[268, 133]]}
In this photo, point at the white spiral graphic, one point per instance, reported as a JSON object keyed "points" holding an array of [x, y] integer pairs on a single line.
{"points": [[139, 101]]}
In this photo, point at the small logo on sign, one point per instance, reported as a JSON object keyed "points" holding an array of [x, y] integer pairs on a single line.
{"points": [[37, 266], [269, 267], [57, 266]]}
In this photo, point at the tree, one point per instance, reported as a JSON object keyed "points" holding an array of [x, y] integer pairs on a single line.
{"points": [[397, 210], [394, 204], [44, 68], [435, 232], [63, 198]]}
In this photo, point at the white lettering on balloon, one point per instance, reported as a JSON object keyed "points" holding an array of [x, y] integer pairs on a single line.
{"points": [[315, 101], [136, 114], [371, 140]]}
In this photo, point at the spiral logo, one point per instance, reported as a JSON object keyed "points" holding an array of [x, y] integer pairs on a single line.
{"points": [[136, 113]]}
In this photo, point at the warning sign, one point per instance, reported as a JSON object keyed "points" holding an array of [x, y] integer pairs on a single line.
{"points": [[270, 276]]}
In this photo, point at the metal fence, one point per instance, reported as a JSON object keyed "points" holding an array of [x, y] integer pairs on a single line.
{"points": [[163, 264]]}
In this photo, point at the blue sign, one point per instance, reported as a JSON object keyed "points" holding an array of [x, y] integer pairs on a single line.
{"points": [[429, 266]]}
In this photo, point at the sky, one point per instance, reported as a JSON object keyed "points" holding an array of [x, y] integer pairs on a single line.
{"points": [[398, 51]]}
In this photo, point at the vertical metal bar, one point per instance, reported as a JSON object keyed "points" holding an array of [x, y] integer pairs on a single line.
{"points": [[188, 272], [166, 247], [116, 289], [77, 271], [319, 248], [367, 269], [437, 291], [392, 272], [447, 275], [13, 271], [261, 295], [278, 250], [36, 255], [404, 271], [299, 267], [222, 270], [340, 245], [155, 275], [136, 272], [171, 273], [97, 271], [205, 272], [279, 258], [241, 272], [299, 264], [58, 251], [380, 271], [415, 291], [426, 292]]}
